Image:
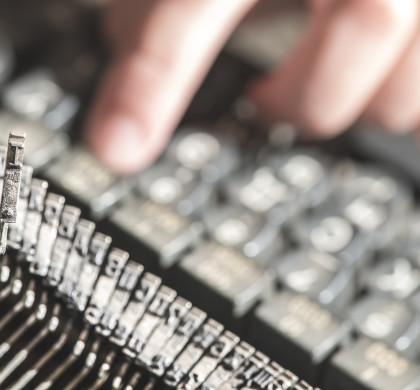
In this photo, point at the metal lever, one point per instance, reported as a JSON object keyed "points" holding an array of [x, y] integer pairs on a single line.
{"points": [[11, 184]]}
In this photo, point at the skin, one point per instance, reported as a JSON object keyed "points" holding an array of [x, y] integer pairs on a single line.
{"points": [[357, 58]]}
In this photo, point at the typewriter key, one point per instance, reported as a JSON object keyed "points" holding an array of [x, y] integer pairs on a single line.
{"points": [[371, 365], [37, 97], [293, 323]]}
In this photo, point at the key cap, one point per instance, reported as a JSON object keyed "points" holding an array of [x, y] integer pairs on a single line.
{"points": [[247, 232], [307, 171], [37, 97], [87, 181], [395, 276], [370, 365], [308, 332], [328, 231], [42, 146], [209, 153], [223, 281], [375, 202], [6, 59], [260, 191], [155, 232], [320, 276], [176, 186], [390, 321]]}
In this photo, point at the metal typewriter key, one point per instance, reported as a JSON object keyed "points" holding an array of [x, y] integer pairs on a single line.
{"points": [[120, 298], [375, 202], [390, 321], [6, 59], [47, 234], [263, 193], [42, 146], [87, 180], [11, 184], [307, 171], [371, 365], [66, 230], [33, 219], [209, 361], [319, 275], [37, 97], [76, 258], [293, 323], [328, 231], [105, 285], [155, 231], [229, 283], [15, 236], [153, 317], [151, 356], [243, 378], [198, 342], [396, 276], [245, 231], [136, 307], [205, 151], [91, 267], [176, 186], [229, 366]]}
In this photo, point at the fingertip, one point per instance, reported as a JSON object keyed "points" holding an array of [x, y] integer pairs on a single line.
{"points": [[120, 143]]}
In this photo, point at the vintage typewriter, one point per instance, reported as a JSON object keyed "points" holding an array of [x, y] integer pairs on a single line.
{"points": [[239, 260]]}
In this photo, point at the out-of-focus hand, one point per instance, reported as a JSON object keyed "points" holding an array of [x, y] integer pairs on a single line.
{"points": [[357, 57]]}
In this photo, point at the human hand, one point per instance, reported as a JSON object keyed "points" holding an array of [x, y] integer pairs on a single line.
{"points": [[357, 57]]}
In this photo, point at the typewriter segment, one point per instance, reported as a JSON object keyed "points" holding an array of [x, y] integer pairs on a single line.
{"points": [[240, 260]]}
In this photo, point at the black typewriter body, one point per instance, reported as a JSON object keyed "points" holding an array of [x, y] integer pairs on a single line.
{"points": [[241, 259]]}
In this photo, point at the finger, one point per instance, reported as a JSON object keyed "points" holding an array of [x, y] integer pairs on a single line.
{"points": [[397, 104], [147, 88], [346, 53]]}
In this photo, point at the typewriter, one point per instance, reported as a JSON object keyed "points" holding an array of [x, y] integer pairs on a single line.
{"points": [[241, 259]]}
